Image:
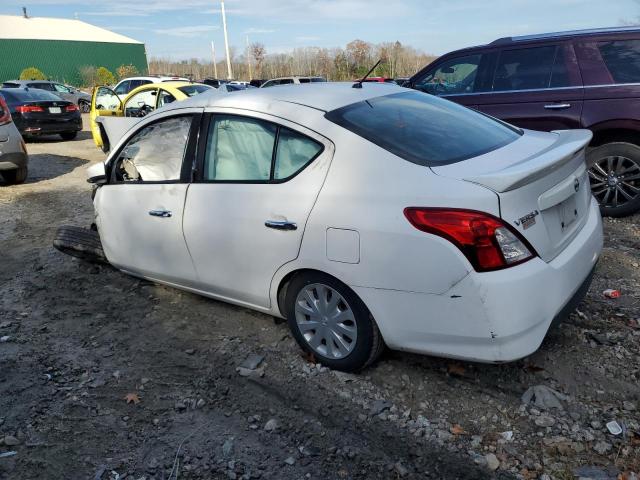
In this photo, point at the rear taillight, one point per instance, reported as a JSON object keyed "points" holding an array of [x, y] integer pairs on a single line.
{"points": [[29, 109], [5, 114], [71, 108], [486, 241]]}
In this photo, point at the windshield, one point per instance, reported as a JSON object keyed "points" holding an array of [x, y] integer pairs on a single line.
{"points": [[424, 129], [191, 90]]}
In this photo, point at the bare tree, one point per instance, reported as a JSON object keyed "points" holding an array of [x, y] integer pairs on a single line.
{"points": [[334, 64]]}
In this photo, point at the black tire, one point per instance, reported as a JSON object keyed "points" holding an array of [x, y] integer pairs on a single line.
{"points": [[69, 135], [81, 243], [369, 343], [16, 176], [608, 185]]}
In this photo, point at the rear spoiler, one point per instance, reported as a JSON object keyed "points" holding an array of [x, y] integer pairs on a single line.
{"points": [[568, 145]]}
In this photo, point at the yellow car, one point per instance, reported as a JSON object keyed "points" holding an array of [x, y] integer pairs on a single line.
{"points": [[138, 103]]}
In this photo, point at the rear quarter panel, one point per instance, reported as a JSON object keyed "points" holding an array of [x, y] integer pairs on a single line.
{"points": [[366, 191]]}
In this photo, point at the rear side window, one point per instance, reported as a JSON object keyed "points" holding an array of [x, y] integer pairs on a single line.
{"points": [[622, 58], [529, 69], [10, 85], [293, 153], [286, 81], [244, 149], [424, 129], [304, 80]]}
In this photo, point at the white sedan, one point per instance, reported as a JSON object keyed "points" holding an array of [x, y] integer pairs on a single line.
{"points": [[364, 216]]}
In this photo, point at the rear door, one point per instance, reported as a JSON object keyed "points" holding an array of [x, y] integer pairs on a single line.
{"points": [[140, 210], [536, 87], [258, 178]]}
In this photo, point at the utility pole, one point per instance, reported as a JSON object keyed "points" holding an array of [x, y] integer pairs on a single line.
{"points": [[226, 41], [215, 65], [249, 59]]}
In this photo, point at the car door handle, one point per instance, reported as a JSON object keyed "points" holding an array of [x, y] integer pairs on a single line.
{"points": [[280, 225], [557, 106], [160, 213]]}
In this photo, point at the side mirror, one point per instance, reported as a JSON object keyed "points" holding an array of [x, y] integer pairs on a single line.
{"points": [[97, 174], [448, 70]]}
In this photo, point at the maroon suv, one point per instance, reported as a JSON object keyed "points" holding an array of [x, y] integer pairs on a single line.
{"points": [[580, 79]]}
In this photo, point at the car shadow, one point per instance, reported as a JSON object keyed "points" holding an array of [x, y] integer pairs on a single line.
{"points": [[45, 166], [83, 135]]}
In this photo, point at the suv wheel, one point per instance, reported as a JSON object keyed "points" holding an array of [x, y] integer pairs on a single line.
{"points": [[329, 321], [614, 174], [16, 176]]}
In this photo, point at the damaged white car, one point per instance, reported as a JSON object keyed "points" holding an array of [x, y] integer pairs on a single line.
{"points": [[365, 216]]}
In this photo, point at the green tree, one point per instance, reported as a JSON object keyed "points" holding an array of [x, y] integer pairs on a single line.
{"points": [[105, 77], [32, 73], [125, 71]]}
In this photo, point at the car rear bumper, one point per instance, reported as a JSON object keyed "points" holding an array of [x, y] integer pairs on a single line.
{"points": [[496, 316], [49, 126]]}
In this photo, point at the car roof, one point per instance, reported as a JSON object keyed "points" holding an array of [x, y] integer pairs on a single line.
{"points": [[173, 85], [564, 34], [324, 96], [22, 82]]}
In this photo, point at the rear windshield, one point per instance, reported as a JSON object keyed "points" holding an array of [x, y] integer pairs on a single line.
{"points": [[191, 90], [424, 129], [33, 95]]}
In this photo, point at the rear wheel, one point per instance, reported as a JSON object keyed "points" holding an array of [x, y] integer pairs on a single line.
{"points": [[614, 173], [80, 242], [69, 135], [16, 176], [85, 107], [329, 321]]}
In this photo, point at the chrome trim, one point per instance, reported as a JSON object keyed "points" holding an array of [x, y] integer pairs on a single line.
{"points": [[541, 89], [557, 106], [160, 213]]}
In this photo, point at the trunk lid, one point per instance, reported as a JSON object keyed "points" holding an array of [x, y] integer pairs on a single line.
{"points": [[541, 182]]}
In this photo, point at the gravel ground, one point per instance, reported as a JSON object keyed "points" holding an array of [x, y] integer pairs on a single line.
{"points": [[104, 376]]}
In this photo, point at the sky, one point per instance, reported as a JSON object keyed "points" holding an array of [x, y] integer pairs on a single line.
{"points": [[182, 29]]}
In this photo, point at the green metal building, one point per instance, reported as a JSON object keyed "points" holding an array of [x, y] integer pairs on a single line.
{"points": [[59, 47]]}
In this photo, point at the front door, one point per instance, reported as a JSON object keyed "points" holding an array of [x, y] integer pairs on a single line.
{"points": [[106, 103], [539, 88], [140, 210], [245, 217]]}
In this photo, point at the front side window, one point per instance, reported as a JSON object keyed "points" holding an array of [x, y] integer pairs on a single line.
{"points": [[141, 103], [61, 88], [244, 149], [165, 98], [622, 58], [286, 81], [154, 153], [455, 76], [424, 129], [524, 69]]}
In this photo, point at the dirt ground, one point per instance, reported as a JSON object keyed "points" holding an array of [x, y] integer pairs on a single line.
{"points": [[104, 376]]}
